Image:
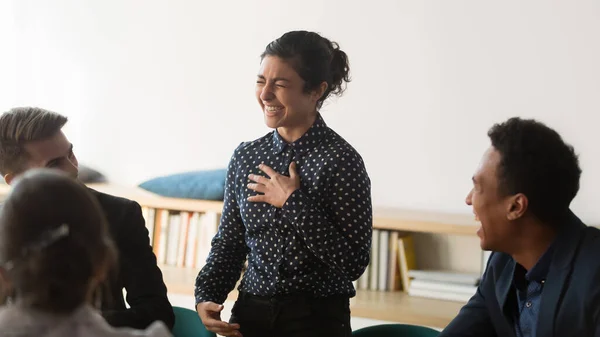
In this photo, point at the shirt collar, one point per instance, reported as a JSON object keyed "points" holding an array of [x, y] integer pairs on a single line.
{"points": [[539, 271], [307, 142]]}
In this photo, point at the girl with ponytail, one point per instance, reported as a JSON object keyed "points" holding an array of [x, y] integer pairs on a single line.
{"points": [[55, 254]]}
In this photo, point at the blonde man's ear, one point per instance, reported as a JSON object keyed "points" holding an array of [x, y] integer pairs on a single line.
{"points": [[8, 178]]}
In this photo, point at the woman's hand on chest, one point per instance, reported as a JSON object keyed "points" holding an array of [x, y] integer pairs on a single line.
{"points": [[275, 189]]}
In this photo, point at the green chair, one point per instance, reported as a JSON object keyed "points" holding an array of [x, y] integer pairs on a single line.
{"points": [[188, 324], [395, 330]]}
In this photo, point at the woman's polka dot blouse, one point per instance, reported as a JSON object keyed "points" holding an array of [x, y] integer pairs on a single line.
{"points": [[316, 244]]}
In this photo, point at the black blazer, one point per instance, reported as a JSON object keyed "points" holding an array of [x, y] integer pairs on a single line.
{"points": [[137, 272], [570, 303]]}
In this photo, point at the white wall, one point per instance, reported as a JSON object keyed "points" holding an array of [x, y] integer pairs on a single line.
{"points": [[8, 55], [154, 87]]}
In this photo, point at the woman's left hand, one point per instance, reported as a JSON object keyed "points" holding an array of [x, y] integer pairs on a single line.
{"points": [[275, 189]]}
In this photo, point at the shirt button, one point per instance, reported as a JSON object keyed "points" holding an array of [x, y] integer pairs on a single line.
{"points": [[528, 304]]}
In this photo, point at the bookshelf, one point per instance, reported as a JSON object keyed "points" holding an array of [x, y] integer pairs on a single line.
{"points": [[395, 306]]}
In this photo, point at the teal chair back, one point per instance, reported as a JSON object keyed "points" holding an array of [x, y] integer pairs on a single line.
{"points": [[188, 324], [395, 330]]}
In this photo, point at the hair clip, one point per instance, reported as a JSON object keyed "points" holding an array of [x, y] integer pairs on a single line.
{"points": [[46, 239], [49, 237]]}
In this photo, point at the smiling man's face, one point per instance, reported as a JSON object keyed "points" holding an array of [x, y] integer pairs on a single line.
{"points": [[490, 207]]}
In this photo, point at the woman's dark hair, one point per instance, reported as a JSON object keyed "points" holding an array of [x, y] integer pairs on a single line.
{"points": [[315, 59], [53, 241]]}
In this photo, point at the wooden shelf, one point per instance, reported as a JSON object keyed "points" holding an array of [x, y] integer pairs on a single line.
{"points": [[153, 200], [379, 305]]}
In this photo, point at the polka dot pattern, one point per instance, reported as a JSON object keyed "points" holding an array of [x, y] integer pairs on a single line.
{"points": [[316, 244]]}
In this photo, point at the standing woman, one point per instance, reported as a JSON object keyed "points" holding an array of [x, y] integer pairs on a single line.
{"points": [[297, 206]]}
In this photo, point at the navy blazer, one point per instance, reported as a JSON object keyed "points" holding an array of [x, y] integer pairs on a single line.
{"points": [[570, 303]]}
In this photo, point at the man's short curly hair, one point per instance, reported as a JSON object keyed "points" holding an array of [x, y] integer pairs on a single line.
{"points": [[537, 162]]}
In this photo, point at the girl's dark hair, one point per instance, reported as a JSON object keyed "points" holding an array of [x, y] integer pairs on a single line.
{"points": [[315, 58], [51, 269]]}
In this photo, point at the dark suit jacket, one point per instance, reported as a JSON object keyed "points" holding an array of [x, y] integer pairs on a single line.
{"points": [[570, 303], [137, 271]]}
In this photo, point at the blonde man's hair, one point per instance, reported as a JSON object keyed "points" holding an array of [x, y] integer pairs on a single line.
{"points": [[19, 126]]}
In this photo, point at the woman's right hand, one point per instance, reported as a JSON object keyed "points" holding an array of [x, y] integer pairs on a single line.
{"points": [[210, 314]]}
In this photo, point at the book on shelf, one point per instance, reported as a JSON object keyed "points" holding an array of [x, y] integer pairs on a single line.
{"points": [[180, 238], [445, 276], [440, 295], [374, 263], [443, 285], [407, 259], [458, 288], [391, 253]]}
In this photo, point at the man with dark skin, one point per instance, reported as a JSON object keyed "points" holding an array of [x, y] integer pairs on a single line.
{"points": [[543, 276]]}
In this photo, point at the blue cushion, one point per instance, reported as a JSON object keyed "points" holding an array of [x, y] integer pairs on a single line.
{"points": [[206, 185]]}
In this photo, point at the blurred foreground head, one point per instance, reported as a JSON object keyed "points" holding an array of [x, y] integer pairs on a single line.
{"points": [[54, 245]]}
